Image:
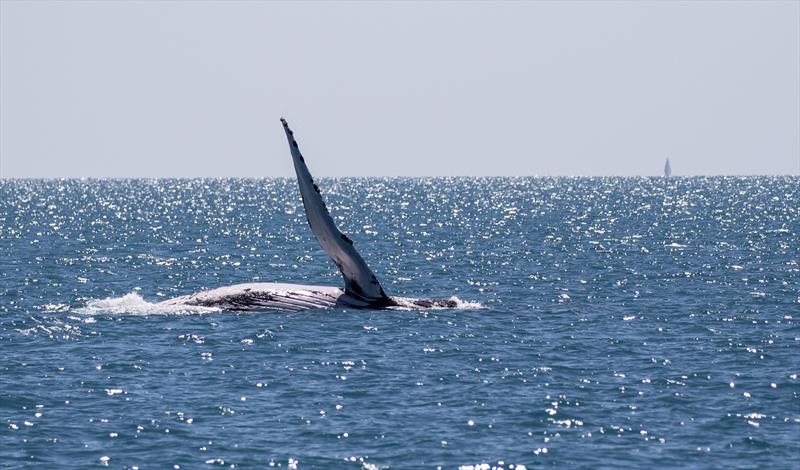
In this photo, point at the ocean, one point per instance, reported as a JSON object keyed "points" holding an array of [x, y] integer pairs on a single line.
{"points": [[602, 322]]}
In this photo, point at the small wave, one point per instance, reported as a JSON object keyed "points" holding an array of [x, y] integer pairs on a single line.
{"points": [[500, 464], [53, 308], [674, 245], [134, 304], [466, 304]]}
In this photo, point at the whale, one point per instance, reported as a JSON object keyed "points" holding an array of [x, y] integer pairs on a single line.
{"points": [[361, 290]]}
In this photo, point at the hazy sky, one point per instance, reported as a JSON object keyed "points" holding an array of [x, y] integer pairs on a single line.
{"points": [[130, 89]]}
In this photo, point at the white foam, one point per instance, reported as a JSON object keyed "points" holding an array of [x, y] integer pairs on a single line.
{"points": [[134, 304], [466, 304]]}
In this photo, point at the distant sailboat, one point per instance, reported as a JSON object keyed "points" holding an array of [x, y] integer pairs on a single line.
{"points": [[667, 169]]}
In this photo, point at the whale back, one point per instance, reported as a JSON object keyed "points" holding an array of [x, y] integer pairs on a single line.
{"points": [[360, 281], [269, 296]]}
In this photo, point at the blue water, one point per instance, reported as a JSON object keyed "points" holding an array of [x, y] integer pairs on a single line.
{"points": [[605, 322]]}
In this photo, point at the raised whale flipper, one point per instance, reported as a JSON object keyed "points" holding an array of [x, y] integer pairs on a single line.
{"points": [[359, 280]]}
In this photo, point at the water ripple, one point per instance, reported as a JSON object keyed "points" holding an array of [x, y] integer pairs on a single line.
{"points": [[624, 321]]}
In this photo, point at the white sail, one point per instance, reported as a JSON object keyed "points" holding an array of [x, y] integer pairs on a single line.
{"points": [[667, 169]]}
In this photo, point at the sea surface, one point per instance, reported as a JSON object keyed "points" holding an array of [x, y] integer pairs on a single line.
{"points": [[602, 322]]}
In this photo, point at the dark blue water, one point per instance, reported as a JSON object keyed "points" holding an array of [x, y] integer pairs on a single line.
{"points": [[606, 322]]}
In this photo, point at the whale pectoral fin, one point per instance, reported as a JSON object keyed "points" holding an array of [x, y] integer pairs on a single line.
{"points": [[359, 280]]}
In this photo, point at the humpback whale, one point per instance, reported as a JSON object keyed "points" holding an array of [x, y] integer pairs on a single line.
{"points": [[361, 287]]}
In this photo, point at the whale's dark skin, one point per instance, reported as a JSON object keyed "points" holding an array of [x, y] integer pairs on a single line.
{"points": [[362, 288]]}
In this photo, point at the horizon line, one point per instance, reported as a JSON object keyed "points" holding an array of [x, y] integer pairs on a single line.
{"points": [[120, 178]]}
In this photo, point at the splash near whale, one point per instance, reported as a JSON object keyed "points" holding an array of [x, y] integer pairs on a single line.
{"points": [[361, 287]]}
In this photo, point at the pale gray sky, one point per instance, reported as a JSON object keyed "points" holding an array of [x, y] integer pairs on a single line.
{"points": [[141, 89]]}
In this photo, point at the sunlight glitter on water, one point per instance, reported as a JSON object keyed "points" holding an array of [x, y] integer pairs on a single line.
{"points": [[593, 340]]}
